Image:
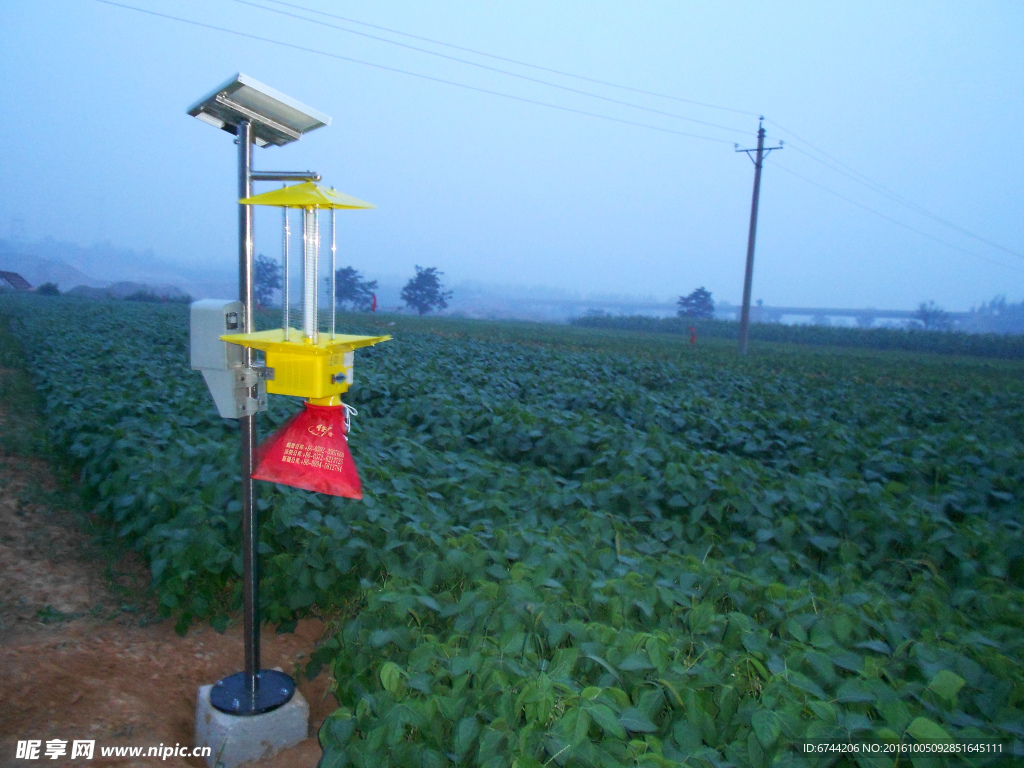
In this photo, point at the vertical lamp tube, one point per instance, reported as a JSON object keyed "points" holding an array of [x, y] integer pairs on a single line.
{"points": [[284, 285], [316, 275], [334, 267], [310, 267]]}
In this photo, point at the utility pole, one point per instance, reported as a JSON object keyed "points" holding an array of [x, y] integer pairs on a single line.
{"points": [[748, 278]]}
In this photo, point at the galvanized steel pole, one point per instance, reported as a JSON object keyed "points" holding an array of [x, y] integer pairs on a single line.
{"points": [[250, 523]]}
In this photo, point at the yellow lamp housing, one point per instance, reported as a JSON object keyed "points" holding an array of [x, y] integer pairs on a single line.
{"points": [[319, 372]]}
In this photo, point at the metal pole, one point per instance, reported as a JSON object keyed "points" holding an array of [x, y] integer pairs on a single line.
{"points": [[284, 175], [334, 267], [748, 278], [250, 524], [254, 690]]}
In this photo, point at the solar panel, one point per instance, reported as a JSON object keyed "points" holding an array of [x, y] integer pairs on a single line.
{"points": [[276, 119]]}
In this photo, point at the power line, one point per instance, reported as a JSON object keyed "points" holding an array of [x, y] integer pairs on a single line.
{"points": [[890, 219], [585, 113], [882, 190], [494, 69], [849, 172], [386, 68], [516, 61]]}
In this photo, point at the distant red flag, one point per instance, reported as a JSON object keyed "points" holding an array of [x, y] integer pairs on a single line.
{"points": [[693, 335], [373, 306]]}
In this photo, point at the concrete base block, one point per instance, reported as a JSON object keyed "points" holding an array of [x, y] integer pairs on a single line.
{"points": [[234, 740]]}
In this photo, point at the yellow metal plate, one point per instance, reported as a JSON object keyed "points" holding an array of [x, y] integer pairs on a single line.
{"points": [[307, 195], [298, 345]]}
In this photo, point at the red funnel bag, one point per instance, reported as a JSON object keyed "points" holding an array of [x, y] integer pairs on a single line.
{"points": [[310, 451]]}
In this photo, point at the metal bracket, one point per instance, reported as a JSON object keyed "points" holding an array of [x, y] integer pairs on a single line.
{"points": [[265, 373], [246, 376], [252, 406], [345, 375]]}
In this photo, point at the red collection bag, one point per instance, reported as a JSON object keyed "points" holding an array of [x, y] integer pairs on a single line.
{"points": [[309, 451]]}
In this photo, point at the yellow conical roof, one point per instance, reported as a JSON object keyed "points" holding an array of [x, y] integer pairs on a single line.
{"points": [[306, 195]]}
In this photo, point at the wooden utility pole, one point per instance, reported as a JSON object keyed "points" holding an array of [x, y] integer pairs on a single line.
{"points": [[748, 278]]}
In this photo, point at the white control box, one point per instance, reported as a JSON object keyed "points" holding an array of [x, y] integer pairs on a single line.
{"points": [[211, 319], [231, 383]]}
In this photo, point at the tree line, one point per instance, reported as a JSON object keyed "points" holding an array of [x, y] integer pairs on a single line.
{"points": [[423, 293], [995, 316]]}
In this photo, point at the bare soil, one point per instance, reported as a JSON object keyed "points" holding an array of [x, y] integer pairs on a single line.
{"points": [[82, 655]]}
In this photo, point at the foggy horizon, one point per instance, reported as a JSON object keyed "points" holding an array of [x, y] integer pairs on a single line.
{"points": [[899, 181]]}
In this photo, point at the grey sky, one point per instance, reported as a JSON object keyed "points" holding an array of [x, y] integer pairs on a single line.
{"points": [[924, 98]]}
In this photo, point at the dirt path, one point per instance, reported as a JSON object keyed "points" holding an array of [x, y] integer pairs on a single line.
{"points": [[81, 655]]}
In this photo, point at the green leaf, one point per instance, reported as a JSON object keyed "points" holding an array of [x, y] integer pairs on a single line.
{"points": [[603, 663], [946, 684], [847, 660], [460, 665], [701, 618], [466, 732], [925, 730], [391, 677], [562, 663], [797, 630], [429, 602], [581, 727], [380, 638], [805, 684], [756, 757], [823, 710], [854, 691], [658, 651], [821, 635], [767, 728], [635, 661], [633, 719], [603, 715], [337, 730]]}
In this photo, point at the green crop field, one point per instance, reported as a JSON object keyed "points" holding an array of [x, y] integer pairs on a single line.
{"points": [[581, 547]]}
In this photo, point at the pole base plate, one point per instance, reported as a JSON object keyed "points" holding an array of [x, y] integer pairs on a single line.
{"points": [[234, 696]]}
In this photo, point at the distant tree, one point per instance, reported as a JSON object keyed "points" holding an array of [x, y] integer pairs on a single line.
{"points": [[932, 317], [997, 316], [266, 279], [351, 289], [698, 304], [48, 289], [424, 292]]}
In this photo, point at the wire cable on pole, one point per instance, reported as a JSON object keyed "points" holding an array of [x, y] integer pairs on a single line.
{"points": [[386, 68], [866, 181], [548, 83], [517, 62], [891, 219], [849, 172]]}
